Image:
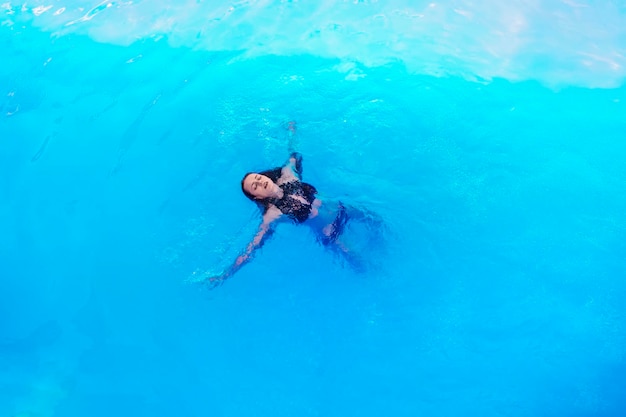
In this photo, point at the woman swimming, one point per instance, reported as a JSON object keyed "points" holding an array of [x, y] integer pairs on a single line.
{"points": [[281, 195]]}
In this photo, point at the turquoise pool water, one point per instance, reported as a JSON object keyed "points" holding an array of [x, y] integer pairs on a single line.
{"points": [[489, 138]]}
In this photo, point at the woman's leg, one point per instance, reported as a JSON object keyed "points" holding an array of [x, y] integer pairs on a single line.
{"points": [[334, 216], [329, 230], [333, 230]]}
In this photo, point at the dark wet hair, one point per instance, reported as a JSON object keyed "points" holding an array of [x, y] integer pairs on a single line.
{"points": [[247, 194]]}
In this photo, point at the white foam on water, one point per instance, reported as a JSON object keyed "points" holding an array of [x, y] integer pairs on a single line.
{"points": [[556, 42], [560, 43]]}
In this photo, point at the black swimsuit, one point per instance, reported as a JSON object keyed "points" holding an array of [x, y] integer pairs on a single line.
{"points": [[298, 211], [294, 208]]}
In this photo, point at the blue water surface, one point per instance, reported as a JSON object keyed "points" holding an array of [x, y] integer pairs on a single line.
{"points": [[496, 289]]}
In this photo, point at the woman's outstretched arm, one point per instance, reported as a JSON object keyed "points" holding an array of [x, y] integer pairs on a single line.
{"points": [[292, 129], [292, 168], [266, 229]]}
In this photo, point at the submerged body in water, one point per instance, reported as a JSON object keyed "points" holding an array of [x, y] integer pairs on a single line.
{"points": [[282, 196]]}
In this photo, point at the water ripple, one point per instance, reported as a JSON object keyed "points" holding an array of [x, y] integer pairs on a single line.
{"points": [[91, 13]]}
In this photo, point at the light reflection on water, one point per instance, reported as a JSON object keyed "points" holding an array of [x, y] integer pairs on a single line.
{"points": [[558, 43]]}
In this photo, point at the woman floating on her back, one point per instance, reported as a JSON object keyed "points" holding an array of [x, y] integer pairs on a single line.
{"points": [[282, 196]]}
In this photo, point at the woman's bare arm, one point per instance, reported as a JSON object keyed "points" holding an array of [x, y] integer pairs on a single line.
{"points": [[292, 170], [264, 232]]}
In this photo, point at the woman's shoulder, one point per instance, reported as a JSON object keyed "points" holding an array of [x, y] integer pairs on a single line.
{"points": [[272, 214], [287, 176]]}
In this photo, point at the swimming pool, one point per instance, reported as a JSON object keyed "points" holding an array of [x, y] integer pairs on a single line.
{"points": [[489, 138]]}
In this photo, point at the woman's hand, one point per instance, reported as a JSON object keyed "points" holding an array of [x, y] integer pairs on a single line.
{"points": [[216, 281], [211, 281]]}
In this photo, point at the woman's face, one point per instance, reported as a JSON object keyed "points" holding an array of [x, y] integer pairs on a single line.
{"points": [[260, 186]]}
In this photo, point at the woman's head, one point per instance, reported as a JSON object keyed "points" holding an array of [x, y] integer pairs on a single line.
{"points": [[258, 187]]}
